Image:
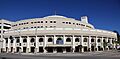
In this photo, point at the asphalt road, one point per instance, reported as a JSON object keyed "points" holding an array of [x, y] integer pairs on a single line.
{"points": [[87, 55]]}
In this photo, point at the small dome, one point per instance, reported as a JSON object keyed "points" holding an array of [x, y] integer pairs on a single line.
{"points": [[55, 16]]}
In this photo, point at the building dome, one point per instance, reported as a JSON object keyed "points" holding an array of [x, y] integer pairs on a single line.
{"points": [[55, 16]]}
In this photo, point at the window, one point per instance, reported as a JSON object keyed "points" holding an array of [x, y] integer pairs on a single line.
{"points": [[35, 22], [68, 40], [41, 21], [32, 40], [112, 41], [76, 23], [38, 27], [54, 21], [38, 21], [24, 40], [108, 41], [6, 40], [41, 40], [63, 22], [50, 21], [41, 26], [66, 22], [49, 39], [85, 40], [92, 40], [98, 40], [27, 23], [73, 23], [18, 41], [104, 41], [69, 22], [77, 40], [45, 21], [31, 22], [50, 26]]}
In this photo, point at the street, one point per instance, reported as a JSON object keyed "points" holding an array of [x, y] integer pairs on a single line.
{"points": [[86, 55]]}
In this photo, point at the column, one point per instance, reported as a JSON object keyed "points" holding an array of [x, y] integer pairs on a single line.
{"points": [[89, 43], [107, 43], [114, 45], [9, 45], [4, 45], [102, 43], [21, 42], [64, 39], [28, 44], [36, 46], [44, 44], [55, 38], [54, 50], [14, 45], [73, 44], [64, 50], [82, 50], [96, 47]]}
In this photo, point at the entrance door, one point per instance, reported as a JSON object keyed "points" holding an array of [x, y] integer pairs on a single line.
{"points": [[50, 49], [17, 49], [92, 48], [40, 49], [24, 49], [59, 49], [32, 49], [11, 49], [68, 49]]}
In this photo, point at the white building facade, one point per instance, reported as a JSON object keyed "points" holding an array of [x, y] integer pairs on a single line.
{"points": [[55, 34]]}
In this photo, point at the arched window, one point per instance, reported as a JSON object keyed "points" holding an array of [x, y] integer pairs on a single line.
{"points": [[32, 40], [17, 41], [49, 39], [76, 39], [92, 40], [68, 40], [59, 41], [41, 40], [24, 40], [85, 40], [98, 40]]}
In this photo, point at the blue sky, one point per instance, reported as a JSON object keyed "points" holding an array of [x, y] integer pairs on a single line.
{"points": [[103, 14]]}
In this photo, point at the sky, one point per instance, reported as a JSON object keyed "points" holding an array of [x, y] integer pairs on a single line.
{"points": [[103, 14]]}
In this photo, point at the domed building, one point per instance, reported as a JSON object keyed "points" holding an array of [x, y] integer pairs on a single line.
{"points": [[55, 34]]}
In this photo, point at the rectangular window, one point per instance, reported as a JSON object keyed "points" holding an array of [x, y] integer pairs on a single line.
{"points": [[69, 22], [54, 21], [38, 21], [31, 22], [41, 21], [66, 22], [50, 21], [41, 26]]}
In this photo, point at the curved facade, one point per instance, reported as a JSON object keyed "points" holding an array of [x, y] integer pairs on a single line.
{"points": [[54, 34]]}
